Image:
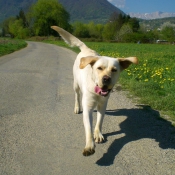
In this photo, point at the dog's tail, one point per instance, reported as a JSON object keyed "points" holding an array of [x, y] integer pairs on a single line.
{"points": [[69, 38]]}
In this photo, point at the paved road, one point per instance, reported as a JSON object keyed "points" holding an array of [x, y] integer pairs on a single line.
{"points": [[40, 134]]}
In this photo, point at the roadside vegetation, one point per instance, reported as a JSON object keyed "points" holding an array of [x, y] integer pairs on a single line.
{"points": [[10, 45]]}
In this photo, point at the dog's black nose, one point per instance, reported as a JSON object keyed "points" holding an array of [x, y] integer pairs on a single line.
{"points": [[106, 80]]}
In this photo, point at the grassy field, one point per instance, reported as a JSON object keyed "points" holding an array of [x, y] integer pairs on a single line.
{"points": [[10, 45], [152, 80]]}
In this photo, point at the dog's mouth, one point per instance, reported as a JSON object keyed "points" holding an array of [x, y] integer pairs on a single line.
{"points": [[104, 91]]}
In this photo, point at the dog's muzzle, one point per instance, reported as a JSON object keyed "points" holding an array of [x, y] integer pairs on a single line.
{"points": [[104, 91]]}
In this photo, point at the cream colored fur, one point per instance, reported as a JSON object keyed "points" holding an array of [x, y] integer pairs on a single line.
{"points": [[94, 77]]}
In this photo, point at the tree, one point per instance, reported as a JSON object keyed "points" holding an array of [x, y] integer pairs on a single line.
{"points": [[125, 30], [44, 14], [167, 24], [109, 31], [17, 30], [168, 33], [95, 30], [134, 23], [81, 30], [117, 20], [5, 25], [22, 16], [120, 25]]}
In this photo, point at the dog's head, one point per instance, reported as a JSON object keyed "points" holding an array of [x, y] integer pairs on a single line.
{"points": [[106, 71]]}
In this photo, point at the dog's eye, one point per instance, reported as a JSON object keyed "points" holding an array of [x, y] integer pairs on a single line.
{"points": [[114, 70], [100, 68]]}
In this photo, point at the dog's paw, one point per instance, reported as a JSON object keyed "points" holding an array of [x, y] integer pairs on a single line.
{"points": [[88, 151], [76, 110], [89, 148], [98, 137]]}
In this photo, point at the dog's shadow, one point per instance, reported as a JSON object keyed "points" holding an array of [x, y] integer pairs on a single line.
{"points": [[140, 123]]}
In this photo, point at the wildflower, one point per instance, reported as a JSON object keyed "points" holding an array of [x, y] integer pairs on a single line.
{"points": [[146, 79], [158, 73]]}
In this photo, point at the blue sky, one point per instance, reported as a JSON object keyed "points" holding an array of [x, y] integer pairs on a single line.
{"points": [[145, 6]]}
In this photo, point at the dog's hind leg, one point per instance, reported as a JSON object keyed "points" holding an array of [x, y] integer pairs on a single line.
{"points": [[77, 98]]}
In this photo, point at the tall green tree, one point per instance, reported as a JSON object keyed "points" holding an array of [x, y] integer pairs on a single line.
{"points": [[22, 16], [134, 23], [5, 25], [168, 33], [44, 14]]}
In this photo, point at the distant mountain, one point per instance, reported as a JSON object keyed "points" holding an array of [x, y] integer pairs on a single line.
{"points": [[155, 15], [10, 8], [90, 10], [79, 10]]}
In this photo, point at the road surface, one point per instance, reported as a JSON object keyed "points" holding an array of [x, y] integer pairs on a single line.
{"points": [[40, 134]]}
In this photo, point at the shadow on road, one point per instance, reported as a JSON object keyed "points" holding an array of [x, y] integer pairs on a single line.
{"points": [[140, 123]]}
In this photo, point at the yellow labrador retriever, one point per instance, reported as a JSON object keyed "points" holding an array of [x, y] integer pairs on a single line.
{"points": [[94, 76]]}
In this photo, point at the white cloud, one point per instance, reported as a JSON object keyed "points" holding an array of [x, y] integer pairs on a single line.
{"points": [[118, 3]]}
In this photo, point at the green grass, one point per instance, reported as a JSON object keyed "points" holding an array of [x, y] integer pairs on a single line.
{"points": [[10, 45], [152, 80]]}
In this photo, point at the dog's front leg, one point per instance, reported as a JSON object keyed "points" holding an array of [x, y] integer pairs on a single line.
{"points": [[101, 108], [87, 120]]}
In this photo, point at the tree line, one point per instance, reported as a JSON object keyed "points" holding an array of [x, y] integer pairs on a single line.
{"points": [[119, 28]]}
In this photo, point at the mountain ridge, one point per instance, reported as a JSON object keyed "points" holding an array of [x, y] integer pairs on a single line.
{"points": [[79, 10], [85, 11], [9, 8], [154, 15]]}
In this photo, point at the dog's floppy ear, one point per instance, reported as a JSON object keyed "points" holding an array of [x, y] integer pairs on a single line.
{"points": [[125, 62], [87, 60]]}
